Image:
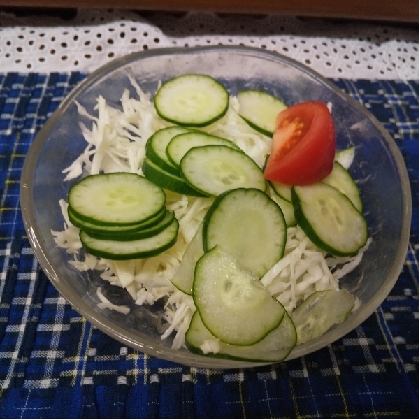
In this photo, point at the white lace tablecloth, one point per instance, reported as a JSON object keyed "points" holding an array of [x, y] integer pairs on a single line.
{"points": [[345, 49]]}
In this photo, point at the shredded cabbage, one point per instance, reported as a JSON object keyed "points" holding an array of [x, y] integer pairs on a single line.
{"points": [[116, 142], [105, 303]]}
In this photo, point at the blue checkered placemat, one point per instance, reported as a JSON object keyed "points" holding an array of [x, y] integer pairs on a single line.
{"points": [[55, 365]]}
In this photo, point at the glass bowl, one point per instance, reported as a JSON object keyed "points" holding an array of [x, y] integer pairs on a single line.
{"points": [[378, 168]]}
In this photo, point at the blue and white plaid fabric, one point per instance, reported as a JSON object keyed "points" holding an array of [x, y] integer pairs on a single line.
{"points": [[55, 365]]}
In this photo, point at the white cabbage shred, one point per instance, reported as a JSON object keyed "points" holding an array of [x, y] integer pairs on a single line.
{"points": [[116, 142]]}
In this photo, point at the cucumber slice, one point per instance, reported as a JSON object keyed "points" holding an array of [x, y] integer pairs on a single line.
{"points": [[340, 179], [144, 233], [287, 209], [214, 169], [283, 191], [193, 100], [133, 249], [248, 225], [116, 198], [155, 148], [167, 180], [259, 110], [274, 347], [320, 311], [225, 294], [93, 228], [329, 219], [184, 276], [345, 157], [181, 144]]}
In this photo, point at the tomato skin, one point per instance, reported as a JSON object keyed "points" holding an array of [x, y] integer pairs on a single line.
{"points": [[303, 145]]}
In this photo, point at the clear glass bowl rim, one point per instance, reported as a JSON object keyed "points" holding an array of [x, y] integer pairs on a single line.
{"points": [[148, 346]]}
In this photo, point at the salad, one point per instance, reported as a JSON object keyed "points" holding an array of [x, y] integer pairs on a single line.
{"points": [[226, 208]]}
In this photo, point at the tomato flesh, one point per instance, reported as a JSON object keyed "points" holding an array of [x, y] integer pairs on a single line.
{"points": [[303, 145]]}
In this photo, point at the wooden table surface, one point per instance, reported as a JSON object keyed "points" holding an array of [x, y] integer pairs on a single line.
{"points": [[391, 10]]}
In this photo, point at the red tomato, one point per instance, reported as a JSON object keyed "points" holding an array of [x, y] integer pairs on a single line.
{"points": [[303, 145]]}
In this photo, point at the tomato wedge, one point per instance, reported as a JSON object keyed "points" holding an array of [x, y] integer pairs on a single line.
{"points": [[303, 145]]}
